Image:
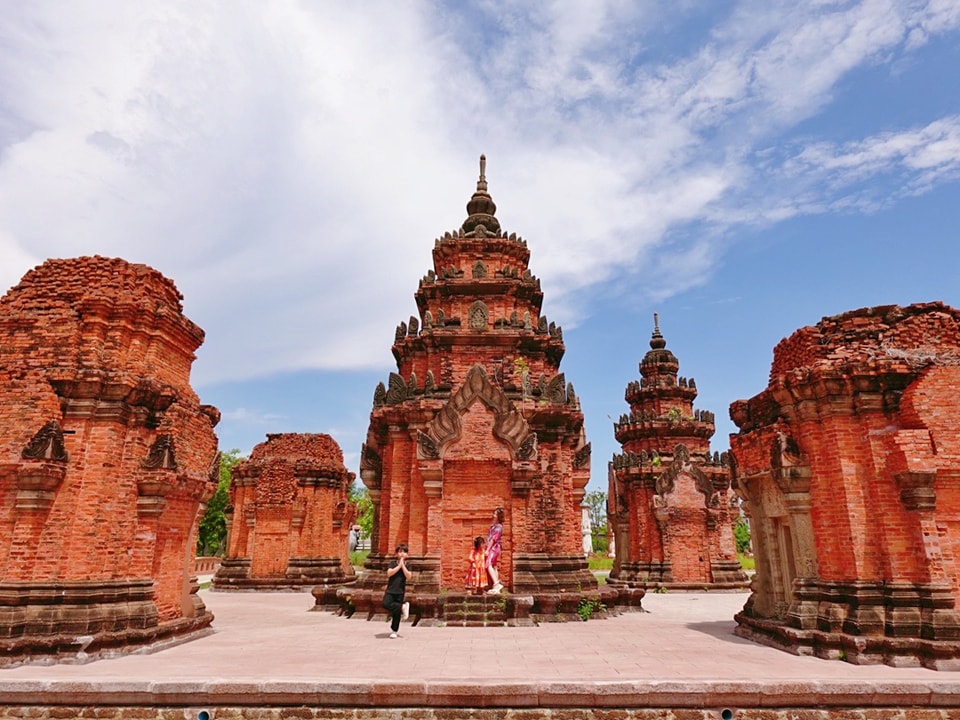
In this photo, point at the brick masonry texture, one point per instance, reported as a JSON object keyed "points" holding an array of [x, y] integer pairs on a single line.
{"points": [[468, 713], [669, 500], [478, 416], [849, 463], [106, 457], [289, 516]]}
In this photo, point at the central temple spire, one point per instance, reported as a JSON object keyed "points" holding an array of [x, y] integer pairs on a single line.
{"points": [[481, 208]]}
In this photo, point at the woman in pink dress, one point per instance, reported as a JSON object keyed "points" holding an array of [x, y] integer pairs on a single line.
{"points": [[493, 551], [477, 567]]}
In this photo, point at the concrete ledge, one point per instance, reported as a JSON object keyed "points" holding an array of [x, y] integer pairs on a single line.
{"points": [[467, 694]]}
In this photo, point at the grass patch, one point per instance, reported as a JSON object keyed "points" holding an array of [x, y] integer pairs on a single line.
{"points": [[358, 557], [747, 562], [599, 562]]}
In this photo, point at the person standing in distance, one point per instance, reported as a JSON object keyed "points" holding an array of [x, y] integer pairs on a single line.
{"points": [[397, 575], [494, 536]]}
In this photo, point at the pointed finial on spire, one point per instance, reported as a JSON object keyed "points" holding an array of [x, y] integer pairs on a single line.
{"points": [[482, 182], [657, 342], [481, 208]]}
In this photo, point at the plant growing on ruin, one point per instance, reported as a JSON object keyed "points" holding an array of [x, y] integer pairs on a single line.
{"points": [[588, 606], [520, 366]]}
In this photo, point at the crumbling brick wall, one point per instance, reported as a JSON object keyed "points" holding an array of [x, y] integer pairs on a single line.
{"points": [[290, 515], [849, 462], [106, 457]]}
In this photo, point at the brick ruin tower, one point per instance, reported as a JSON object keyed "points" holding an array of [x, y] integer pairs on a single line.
{"points": [[850, 463], [478, 416], [669, 498], [289, 516], [106, 459]]}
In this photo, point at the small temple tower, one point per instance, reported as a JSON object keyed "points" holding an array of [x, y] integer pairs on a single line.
{"points": [[478, 416], [106, 459], [669, 500], [289, 517], [849, 463]]}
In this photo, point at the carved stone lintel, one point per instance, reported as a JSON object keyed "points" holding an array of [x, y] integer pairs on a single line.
{"points": [[917, 489], [509, 424], [432, 475], [151, 505], [152, 490], [297, 515], [792, 479], [37, 483], [522, 478]]}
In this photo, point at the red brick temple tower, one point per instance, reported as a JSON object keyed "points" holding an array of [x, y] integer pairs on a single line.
{"points": [[850, 463], [478, 416], [106, 459], [669, 498], [290, 517]]}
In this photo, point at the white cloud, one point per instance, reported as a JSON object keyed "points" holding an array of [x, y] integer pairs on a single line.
{"points": [[910, 161], [289, 164], [243, 415]]}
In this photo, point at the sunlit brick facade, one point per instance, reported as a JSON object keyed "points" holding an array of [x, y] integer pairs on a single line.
{"points": [[479, 416], [669, 500], [850, 465], [289, 516], [106, 457]]}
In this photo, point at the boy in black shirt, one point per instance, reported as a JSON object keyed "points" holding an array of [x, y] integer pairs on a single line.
{"points": [[397, 575]]}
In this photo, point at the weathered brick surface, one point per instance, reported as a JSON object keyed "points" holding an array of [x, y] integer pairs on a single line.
{"points": [[290, 515], [670, 505], [105, 458], [850, 462], [467, 713], [477, 417]]}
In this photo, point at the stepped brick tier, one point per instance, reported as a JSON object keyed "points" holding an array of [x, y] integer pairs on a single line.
{"points": [[289, 518], [850, 463], [106, 459], [478, 416], [669, 500]]}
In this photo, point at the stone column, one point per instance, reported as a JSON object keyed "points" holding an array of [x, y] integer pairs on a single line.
{"points": [[794, 483]]}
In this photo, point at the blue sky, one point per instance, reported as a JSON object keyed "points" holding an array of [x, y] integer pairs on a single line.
{"points": [[742, 168]]}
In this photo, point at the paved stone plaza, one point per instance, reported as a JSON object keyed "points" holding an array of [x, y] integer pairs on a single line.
{"points": [[267, 650]]}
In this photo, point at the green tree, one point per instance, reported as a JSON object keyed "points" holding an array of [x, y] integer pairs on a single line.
{"points": [[741, 531], [360, 496], [597, 500], [213, 526]]}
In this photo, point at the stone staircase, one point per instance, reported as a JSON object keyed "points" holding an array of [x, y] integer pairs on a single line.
{"points": [[462, 610]]}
